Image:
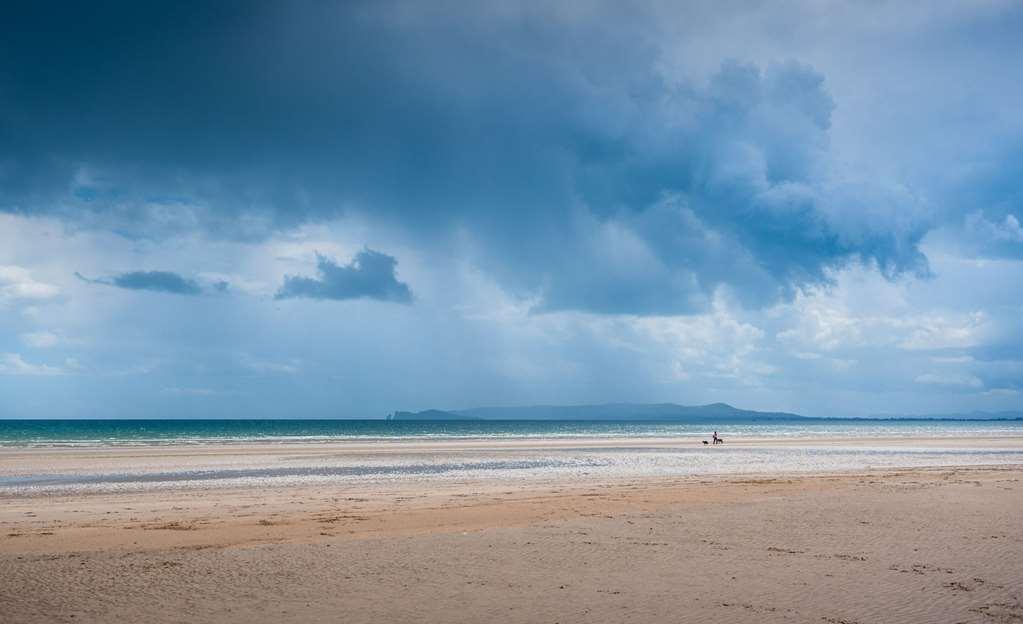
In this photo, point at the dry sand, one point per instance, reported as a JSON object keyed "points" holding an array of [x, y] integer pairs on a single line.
{"points": [[922, 545]]}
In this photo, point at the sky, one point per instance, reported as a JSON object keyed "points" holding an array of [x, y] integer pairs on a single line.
{"points": [[342, 209]]}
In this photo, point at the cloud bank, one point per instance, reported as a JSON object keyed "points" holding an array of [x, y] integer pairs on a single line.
{"points": [[551, 142]]}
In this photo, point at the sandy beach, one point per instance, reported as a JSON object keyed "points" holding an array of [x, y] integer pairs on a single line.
{"points": [[918, 544]]}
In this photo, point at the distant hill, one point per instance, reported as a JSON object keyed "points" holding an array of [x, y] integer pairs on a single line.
{"points": [[666, 412], [716, 412]]}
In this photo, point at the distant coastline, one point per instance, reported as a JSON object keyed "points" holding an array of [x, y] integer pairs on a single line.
{"points": [[666, 412]]}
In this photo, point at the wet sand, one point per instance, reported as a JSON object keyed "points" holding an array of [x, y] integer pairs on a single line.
{"points": [[906, 545]]}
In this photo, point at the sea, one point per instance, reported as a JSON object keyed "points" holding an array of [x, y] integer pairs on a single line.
{"points": [[96, 456], [56, 433]]}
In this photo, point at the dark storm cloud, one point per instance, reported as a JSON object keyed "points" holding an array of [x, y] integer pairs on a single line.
{"points": [[370, 275], [548, 135], [158, 281]]}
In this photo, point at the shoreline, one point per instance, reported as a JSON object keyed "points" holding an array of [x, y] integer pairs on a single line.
{"points": [[41, 472]]}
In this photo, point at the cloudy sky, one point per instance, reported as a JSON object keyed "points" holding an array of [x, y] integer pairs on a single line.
{"points": [[340, 209]]}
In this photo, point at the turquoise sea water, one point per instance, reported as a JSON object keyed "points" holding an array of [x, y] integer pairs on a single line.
{"points": [[136, 432]]}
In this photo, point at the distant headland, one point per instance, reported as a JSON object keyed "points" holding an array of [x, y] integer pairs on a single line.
{"points": [[667, 412]]}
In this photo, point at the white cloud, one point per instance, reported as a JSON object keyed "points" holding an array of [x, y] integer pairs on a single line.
{"points": [[863, 309], [715, 345], [17, 285], [940, 332], [1008, 229], [13, 364]]}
